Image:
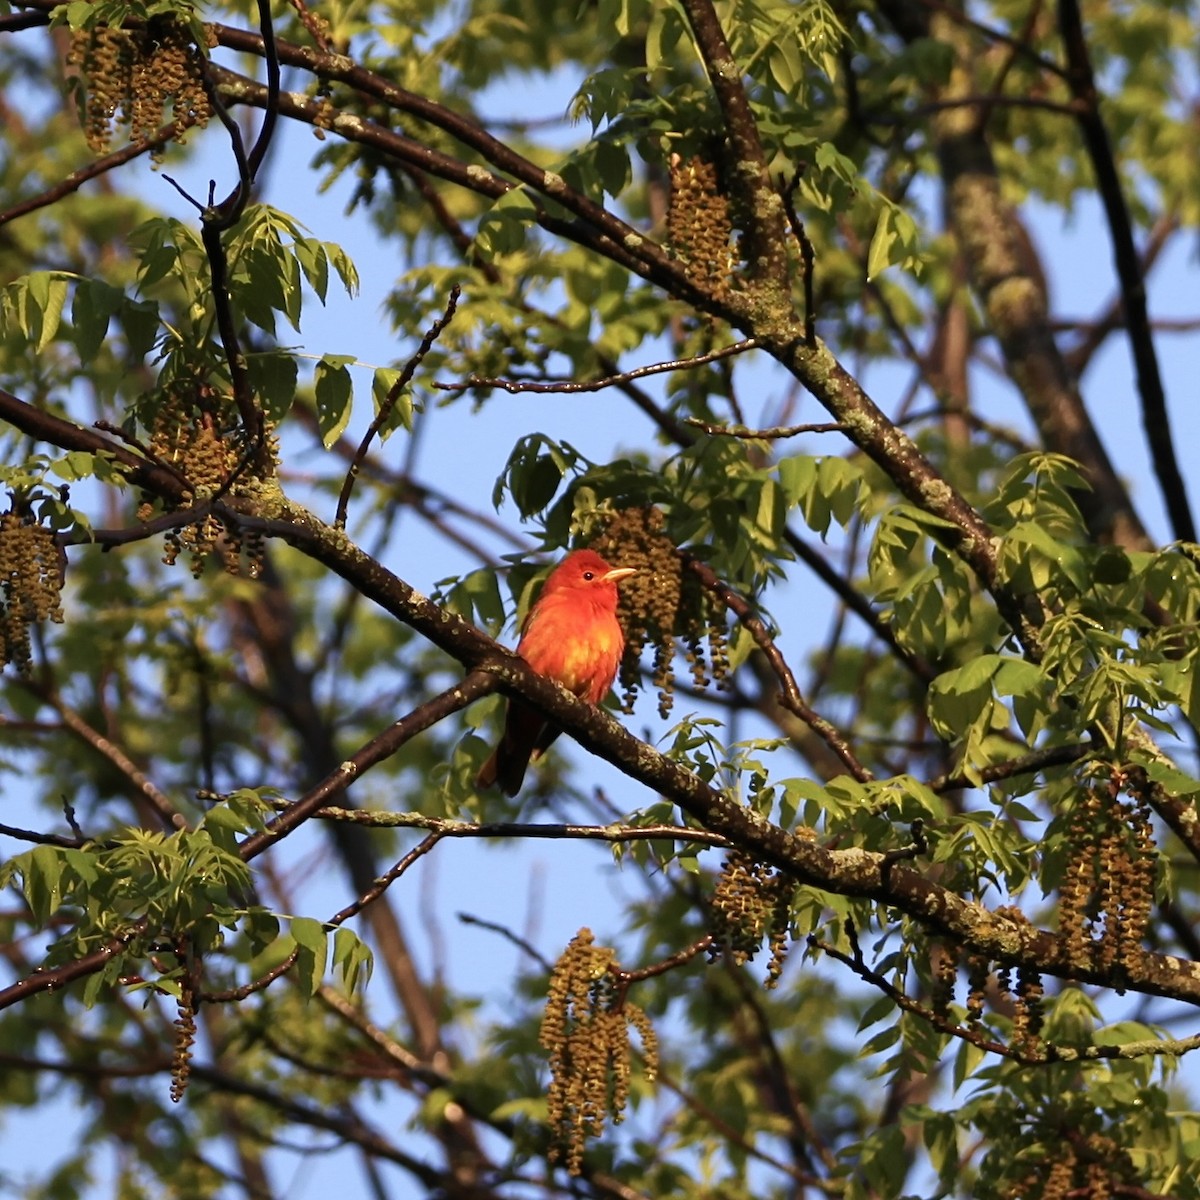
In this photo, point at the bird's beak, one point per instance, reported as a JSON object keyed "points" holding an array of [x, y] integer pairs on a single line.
{"points": [[618, 573]]}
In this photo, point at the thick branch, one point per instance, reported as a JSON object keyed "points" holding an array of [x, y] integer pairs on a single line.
{"points": [[55, 431], [477, 684], [652, 259], [845, 872], [1133, 288], [1006, 275], [746, 171]]}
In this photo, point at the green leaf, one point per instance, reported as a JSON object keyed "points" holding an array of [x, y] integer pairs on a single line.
{"points": [[76, 465], [967, 1062], [401, 413], [879, 255], [312, 950], [883, 1007], [273, 378], [1174, 781], [314, 262], [504, 227], [353, 958], [42, 870], [92, 308], [334, 396]]}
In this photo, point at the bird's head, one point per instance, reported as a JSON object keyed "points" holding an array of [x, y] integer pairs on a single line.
{"points": [[585, 570]]}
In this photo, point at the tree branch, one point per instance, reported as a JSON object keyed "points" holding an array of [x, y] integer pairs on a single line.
{"points": [[567, 386], [389, 403], [476, 684], [747, 172], [143, 785], [790, 696], [1155, 418]]}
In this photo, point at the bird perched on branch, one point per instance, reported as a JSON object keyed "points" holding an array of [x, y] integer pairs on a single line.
{"points": [[571, 635]]}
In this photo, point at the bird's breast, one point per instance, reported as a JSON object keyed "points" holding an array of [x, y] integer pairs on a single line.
{"points": [[581, 652]]}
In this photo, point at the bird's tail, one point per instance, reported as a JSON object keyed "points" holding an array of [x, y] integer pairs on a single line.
{"points": [[504, 770]]}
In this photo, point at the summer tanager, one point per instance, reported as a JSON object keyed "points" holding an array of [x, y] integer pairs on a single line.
{"points": [[571, 635]]}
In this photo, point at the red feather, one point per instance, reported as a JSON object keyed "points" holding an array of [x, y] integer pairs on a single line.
{"points": [[571, 635]]}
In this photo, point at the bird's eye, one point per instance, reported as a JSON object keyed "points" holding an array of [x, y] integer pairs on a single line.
{"points": [[589, 576]]}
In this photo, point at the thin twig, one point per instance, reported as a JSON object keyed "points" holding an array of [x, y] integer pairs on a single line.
{"points": [[464, 243], [790, 696], [475, 685], [918, 846], [615, 834], [145, 451], [109, 750], [41, 839], [625, 978], [389, 402], [425, 500], [238, 994], [858, 604], [781, 1078], [526, 947], [313, 24], [1029, 764], [555, 386], [218, 266], [788, 191], [986, 100], [1045, 1052], [752, 1148], [943, 1024], [271, 54], [991, 34], [350, 1012], [100, 166], [235, 995], [108, 538], [385, 880], [771, 433]]}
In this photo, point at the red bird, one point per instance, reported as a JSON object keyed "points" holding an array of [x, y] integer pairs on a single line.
{"points": [[571, 635]]}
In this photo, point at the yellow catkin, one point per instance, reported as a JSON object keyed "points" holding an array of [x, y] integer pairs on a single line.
{"points": [[1107, 892], [585, 1030], [32, 570], [132, 77], [978, 969], [185, 1037], [664, 602], [189, 434], [751, 902], [944, 969], [699, 226]]}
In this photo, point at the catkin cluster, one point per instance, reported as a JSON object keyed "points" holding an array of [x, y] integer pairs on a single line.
{"points": [[586, 1033], [1089, 1165], [185, 1037], [661, 603], [699, 226], [31, 580], [1028, 1013], [188, 435], [131, 75], [751, 901], [1107, 890], [1022, 999]]}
